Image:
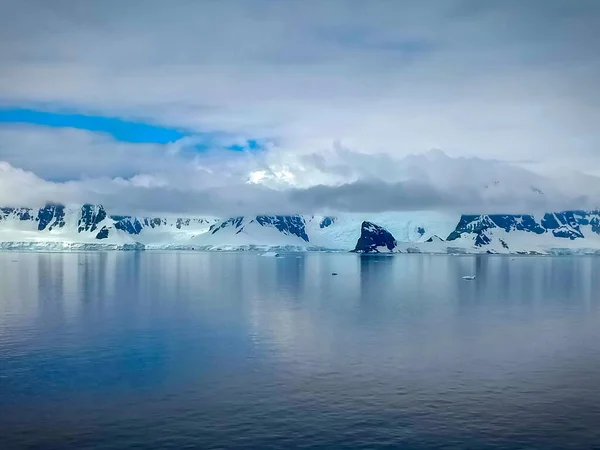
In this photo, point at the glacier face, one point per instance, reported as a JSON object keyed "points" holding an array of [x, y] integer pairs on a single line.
{"points": [[56, 227]]}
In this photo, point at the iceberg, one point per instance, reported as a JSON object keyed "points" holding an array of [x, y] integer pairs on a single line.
{"points": [[271, 255]]}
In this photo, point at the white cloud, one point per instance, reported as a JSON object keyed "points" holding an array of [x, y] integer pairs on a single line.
{"points": [[384, 76], [274, 181], [67, 153]]}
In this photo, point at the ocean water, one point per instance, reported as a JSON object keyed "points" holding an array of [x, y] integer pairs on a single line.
{"points": [[155, 350]]}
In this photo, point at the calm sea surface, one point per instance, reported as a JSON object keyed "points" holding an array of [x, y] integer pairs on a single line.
{"points": [[157, 350]]}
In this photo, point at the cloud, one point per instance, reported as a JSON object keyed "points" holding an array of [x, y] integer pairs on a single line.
{"points": [[502, 80], [141, 178], [352, 96], [67, 153], [21, 188], [71, 154]]}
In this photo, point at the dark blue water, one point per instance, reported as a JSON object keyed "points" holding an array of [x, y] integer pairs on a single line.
{"points": [[192, 350]]}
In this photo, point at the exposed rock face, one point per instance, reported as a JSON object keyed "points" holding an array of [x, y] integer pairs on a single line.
{"points": [[285, 224], [327, 221], [17, 213], [375, 239], [90, 218], [566, 225], [289, 225], [51, 216], [135, 225]]}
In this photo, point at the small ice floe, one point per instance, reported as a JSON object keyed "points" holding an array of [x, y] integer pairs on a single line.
{"points": [[469, 277], [271, 254]]}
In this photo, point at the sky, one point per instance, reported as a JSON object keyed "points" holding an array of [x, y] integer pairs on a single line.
{"points": [[267, 106]]}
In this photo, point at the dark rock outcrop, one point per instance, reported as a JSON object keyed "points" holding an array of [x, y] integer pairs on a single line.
{"points": [[285, 224], [290, 225], [327, 221], [51, 216], [375, 239], [19, 213], [90, 218]]}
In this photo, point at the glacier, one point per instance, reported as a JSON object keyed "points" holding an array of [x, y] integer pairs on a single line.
{"points": [[56, 227]]}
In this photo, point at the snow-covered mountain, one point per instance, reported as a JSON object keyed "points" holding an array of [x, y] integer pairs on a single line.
{"points": [[257, 232], [91, 227], [299, 233], [566, 231]]}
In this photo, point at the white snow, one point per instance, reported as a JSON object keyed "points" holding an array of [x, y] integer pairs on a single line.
{"points": [[24, 234], [404, 226], [249, 235], [15, 232], [410, 229], [527, 242]]}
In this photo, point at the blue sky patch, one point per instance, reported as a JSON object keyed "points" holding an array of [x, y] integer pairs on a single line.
{"points": [[121, 129], [250, 145]]}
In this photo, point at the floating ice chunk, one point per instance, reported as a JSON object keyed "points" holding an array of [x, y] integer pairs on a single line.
{"points": [[271, 254], [468, 277]]}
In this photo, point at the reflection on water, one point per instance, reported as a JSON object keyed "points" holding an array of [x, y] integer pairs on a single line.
{"points": [[158, 350]]}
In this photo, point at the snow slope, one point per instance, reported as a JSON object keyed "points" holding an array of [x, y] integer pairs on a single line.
{"points": [[408, 227], [56, 227], [256, 233], [561, 232]]}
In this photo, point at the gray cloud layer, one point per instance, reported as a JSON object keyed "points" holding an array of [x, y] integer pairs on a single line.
{"points": [[485, 81], [337, 180]]}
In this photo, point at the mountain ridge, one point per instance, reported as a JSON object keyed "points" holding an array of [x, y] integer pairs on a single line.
{"points": [[91, 226]]}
